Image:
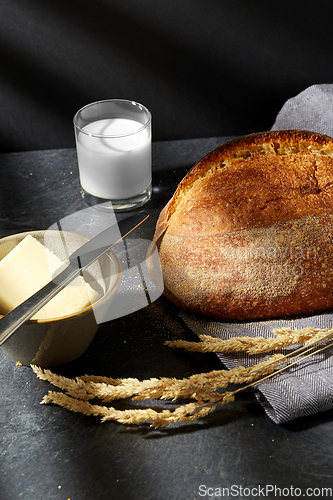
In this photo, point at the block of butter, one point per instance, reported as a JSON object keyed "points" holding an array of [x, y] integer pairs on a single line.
{"points": [[30, 266]]}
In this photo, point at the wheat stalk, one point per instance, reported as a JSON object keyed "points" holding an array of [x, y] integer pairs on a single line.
{"points": [[202, 388], [86, 387], [253, 345]]}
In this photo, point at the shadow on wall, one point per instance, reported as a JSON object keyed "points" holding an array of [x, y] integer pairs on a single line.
{"points": [[203, 68]]}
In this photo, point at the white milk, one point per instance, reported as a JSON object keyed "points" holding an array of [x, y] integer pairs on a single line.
{"points": [[114, 167]]}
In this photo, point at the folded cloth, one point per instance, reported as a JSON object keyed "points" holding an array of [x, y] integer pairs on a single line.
{"points": [[303, 389], [311, 110], [307, 387]]}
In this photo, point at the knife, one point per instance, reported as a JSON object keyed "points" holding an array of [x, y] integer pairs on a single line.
{"points": [[78, 261]]}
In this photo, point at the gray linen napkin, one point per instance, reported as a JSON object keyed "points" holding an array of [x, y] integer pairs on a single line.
{"points": [[305, 388], [312, 110]]}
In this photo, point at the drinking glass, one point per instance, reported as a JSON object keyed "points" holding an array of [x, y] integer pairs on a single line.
{"points": [[113, 144]]}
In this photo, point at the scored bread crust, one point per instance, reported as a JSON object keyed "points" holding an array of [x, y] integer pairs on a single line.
{"points": [[248, 232]]}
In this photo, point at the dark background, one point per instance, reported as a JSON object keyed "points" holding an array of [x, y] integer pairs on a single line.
{"points": [[203, 67]]}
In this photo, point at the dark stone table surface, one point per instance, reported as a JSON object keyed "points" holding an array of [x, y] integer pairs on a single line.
{"points": [[47, 452]]}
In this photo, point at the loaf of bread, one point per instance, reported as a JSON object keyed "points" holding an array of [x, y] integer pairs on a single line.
{"points": [[248, 233]]}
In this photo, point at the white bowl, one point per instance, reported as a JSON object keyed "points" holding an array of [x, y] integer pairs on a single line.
{"points": [[57, 341]]}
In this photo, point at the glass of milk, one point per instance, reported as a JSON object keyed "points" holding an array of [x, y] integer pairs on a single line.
{"points": [[113, 144]]}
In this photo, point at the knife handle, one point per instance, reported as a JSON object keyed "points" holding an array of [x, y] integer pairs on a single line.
{"points": [[15, 318]]}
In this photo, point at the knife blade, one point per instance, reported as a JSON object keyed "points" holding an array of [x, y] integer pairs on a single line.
{"points": [[78, 261]]}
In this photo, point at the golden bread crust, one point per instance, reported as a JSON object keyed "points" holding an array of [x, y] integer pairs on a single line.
{"points": [[247, 234]]}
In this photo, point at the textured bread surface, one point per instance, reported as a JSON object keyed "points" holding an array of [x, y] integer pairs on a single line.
{"points": [[248, 232]]}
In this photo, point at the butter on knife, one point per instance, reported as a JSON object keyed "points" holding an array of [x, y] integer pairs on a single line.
{"points": [[30, 266]]}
